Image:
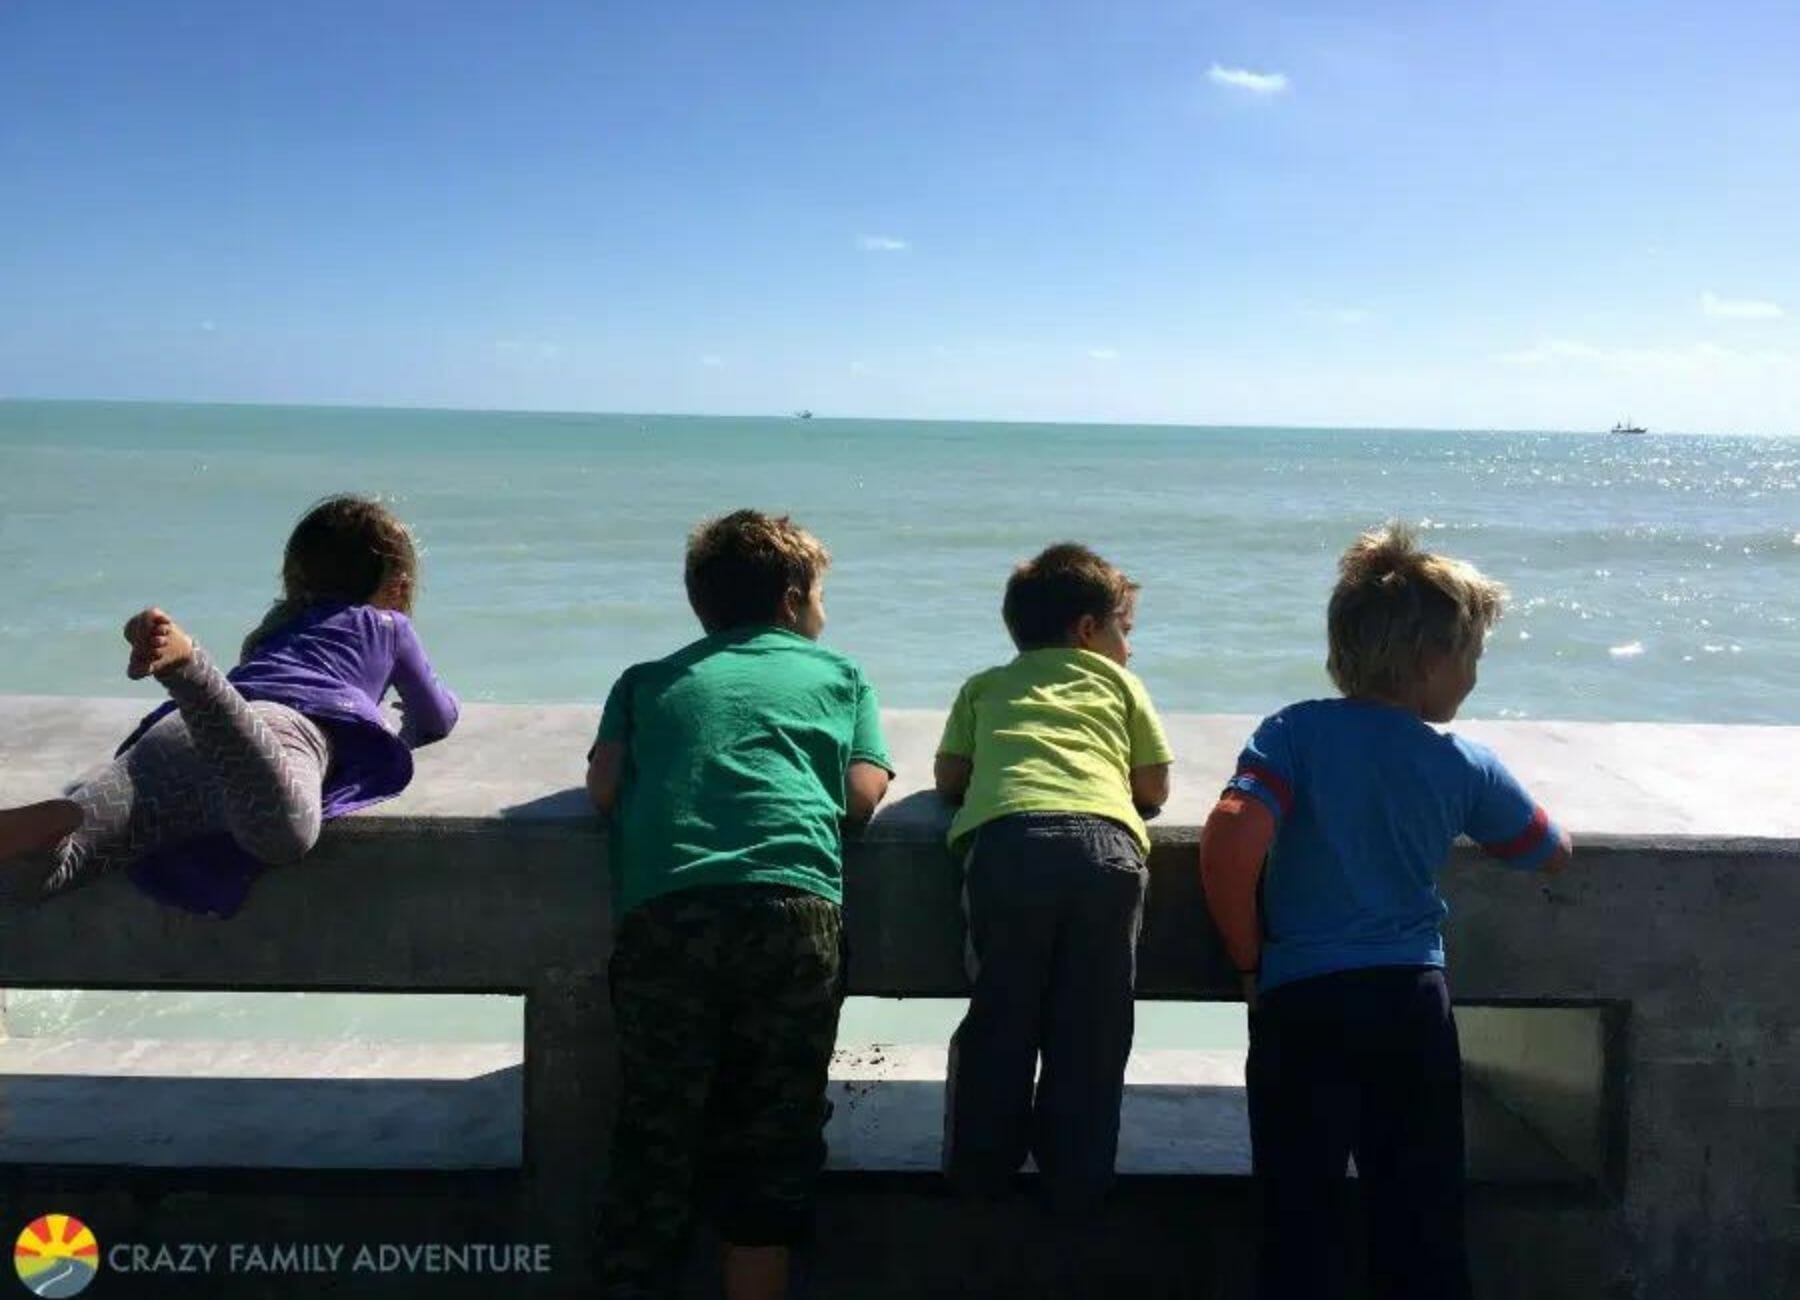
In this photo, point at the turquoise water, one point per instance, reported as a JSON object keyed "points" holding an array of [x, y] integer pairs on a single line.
{"points": [[1654, 578]]}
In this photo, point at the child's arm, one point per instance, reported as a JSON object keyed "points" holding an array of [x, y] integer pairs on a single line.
{"points": [[870, 769], [950, 773], [1233, 847], [1561, 855], [428, 708], [1150, 786], [954, 765], [1507, 822], [865, 786], [606, 759], [606, 765], [1235, 844], [1151, 756]]}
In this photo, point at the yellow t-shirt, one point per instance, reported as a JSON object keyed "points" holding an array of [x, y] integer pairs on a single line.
{"points": [[1055, 730]]}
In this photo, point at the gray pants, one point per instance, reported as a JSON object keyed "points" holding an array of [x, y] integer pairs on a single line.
{"points": [[219, 763], [1054, 904]]}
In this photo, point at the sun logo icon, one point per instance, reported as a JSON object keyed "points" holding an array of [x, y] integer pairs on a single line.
{"points": [[56, 1256]]}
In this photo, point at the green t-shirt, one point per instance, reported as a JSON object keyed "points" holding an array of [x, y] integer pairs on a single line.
{"points": [[1055, 730], [736, 752]]}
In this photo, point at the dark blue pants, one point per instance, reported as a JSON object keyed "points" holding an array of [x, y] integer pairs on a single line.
{"points": [[1362, 1063], [1055, 903]]}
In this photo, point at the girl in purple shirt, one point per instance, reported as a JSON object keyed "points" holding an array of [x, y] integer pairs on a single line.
{"points": [[238, 770]]}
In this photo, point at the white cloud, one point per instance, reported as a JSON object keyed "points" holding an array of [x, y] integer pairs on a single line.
{"points": [[1695, 385], [712, 361], [881, 244], [1692, 361], [209, 327], [1718, 308], [528, 348], [1104, 354], [1257, 83]]}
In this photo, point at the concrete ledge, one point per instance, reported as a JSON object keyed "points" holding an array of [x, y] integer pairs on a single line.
{"points": [[261, 1104], [1185, 1115], [1626, 783], [488, 876], [358, 1105]]}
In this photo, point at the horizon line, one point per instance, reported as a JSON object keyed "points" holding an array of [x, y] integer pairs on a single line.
{"points": [[793, 416]]}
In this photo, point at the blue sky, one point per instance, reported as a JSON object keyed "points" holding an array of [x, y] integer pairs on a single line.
{"points": [[1527, 215]]}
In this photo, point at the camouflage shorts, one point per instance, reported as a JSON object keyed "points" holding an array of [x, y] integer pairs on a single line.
{"points": [[725, 1003]]}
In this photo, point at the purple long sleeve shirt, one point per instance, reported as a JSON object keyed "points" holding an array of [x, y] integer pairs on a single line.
{"points": [[333, 663]]}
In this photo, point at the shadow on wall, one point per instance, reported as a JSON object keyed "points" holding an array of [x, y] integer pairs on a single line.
{"points": [[561, 806], [169, 1121]]}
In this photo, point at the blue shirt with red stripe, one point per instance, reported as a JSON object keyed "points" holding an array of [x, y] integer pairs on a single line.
{"points": [[1367, 800]]}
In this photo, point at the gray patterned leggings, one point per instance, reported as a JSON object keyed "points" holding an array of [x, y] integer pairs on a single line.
{"points": [[220, 763]]}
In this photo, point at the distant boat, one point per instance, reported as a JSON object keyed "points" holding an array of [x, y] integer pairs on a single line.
{"points": [[807, 415], [1628, 427]]}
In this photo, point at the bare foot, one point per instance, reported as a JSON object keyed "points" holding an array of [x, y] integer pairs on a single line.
{"points": [[157, 644], [37, 826]]}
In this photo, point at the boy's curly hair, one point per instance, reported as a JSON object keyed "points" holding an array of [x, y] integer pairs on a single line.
{"points": [[1395, 603], [1047, 595], [741, 566]]}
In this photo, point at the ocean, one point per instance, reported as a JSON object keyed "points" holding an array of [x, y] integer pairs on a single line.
{"points": [[1653, 577]]}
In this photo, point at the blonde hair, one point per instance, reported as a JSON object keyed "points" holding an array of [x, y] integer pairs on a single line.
{"points": [[1394, 604], [741, 566]]}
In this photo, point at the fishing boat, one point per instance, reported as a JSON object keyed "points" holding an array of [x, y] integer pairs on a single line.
{"points": [[1628, 427]]}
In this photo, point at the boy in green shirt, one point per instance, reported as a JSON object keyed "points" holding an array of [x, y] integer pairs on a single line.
{"points": [[728, 770], [1051, 757]]}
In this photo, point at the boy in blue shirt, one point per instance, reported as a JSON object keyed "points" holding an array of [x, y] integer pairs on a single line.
{"points": [[1354, 804]]}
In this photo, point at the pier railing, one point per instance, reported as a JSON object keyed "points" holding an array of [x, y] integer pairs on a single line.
{"points": [[1631, 1028]]}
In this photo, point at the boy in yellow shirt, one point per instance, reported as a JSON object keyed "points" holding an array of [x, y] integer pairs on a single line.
{"points": [[1051, 758]]}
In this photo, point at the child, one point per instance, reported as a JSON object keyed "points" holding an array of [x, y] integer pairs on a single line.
{"points": [[240, 769], [728, 770], [1356, 802], [1051, 757]]}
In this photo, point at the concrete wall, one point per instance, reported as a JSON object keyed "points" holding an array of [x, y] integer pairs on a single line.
{"points": [[1671, 940]]}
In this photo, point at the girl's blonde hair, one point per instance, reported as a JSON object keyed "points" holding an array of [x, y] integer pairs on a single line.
{"points": [[345, 549], [1394, 603]]}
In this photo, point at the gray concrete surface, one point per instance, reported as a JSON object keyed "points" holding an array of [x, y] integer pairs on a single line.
{"points": [[357, 1105], [261, 1104], [1677, 923], [1185, 1113], [1604, 780]]}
